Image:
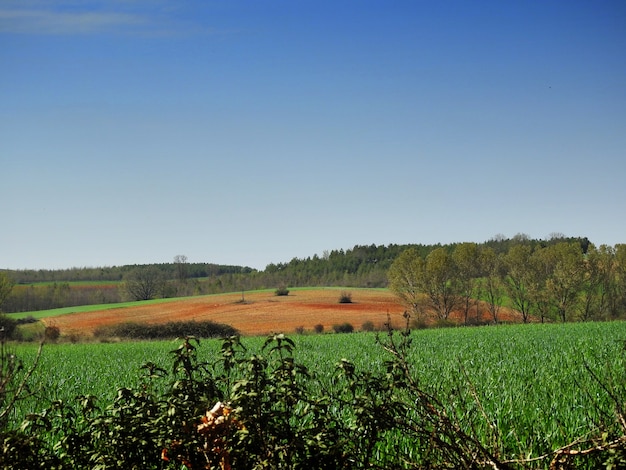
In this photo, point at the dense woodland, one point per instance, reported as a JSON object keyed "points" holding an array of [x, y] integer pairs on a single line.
{"points": [[362, 266]]}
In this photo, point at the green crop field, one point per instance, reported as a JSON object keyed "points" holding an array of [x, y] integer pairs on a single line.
{"points": [[527, 381], [39, 314]]}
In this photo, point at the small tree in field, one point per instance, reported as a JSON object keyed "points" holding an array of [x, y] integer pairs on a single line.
{"points": [[345, 298], [281, 291]]}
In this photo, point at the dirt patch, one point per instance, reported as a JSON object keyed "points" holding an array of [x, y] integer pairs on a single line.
{"points": [[261, 313]]}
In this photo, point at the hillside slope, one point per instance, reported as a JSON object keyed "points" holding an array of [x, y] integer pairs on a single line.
{"points": [[260, 313]]}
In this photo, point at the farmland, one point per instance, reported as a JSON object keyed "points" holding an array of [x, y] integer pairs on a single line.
{"points": [[251, 313], [530, 380]]}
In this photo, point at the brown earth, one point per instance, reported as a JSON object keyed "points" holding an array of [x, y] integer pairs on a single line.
{"points": [[260, 313]]}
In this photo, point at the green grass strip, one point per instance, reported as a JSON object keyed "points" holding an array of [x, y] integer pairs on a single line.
{"points": [[55, 312]]}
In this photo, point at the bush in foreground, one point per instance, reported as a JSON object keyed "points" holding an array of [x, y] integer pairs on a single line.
{"points": [[8, 326]]}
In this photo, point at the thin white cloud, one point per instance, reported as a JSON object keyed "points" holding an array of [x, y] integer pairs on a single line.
{"points": [[73, 17], [83, 17], [53, 22]]}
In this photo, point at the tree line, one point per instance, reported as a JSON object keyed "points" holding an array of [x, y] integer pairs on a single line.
{"points": [[361, 266], [561, 281], [468, 272], [117, 273]]}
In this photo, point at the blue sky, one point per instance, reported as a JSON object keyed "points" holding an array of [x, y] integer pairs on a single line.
{"points": [[246, 132]]}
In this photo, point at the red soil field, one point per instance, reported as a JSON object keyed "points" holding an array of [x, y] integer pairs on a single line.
{"points": [[260, 313]]}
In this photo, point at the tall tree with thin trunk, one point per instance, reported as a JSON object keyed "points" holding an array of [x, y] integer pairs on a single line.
{"points": [[441, 283], [404, 276], [541, 267], [597, 283], [182, 268], [492, 270], [618, 300], [6, 287], [182, 275], [467, 261], [519, 278], [567, 277]]}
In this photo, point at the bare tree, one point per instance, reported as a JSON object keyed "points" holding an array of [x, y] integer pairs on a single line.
{"points": [[144, 283], [182, 269]]}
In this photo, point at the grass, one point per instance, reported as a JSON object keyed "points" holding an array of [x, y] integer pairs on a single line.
{"points": [[39, 314], [529, 380]]}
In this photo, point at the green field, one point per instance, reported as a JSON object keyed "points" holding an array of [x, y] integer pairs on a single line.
{"points": [[530, 379], [39, 314]]}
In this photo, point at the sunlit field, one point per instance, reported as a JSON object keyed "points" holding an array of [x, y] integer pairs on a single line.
{"points": [[529, 381]]}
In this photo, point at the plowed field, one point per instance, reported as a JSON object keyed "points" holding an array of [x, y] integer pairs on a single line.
{"points": [[259, 313]]}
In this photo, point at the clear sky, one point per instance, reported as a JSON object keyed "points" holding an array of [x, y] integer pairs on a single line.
{"points": [[253, 132]]}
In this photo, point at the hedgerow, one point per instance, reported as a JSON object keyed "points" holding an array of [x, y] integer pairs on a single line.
{"points": [[170, 330]]}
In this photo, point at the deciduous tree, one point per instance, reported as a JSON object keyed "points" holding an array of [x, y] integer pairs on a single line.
{"points": [[519, 278], [405, 275], [143, 283], [441, 283], [6, 286], [182, 268], [493, 273], [567, 277], [597, 285], [466, 257], [618, 290], [540, 269]]}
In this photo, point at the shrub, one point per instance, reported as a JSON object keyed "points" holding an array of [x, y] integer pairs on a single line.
{"points": [[368, 326], [299, 330], [281, 291], [345, 298], [319, 328], [8, 327], [444, 323], [343, 328], [52, 333], [419, 324], [170, 330]]}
